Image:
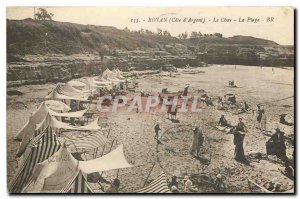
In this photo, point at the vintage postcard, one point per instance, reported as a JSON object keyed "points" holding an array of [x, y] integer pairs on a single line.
{"points": [[149, 100]]}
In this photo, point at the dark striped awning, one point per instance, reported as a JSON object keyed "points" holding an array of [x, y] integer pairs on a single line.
{"points": [[159, 185], [41, 149], [78, 185], [91, 141]]}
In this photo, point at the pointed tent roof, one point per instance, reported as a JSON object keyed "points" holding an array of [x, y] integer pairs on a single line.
{"points": [[111, 76], [34, 119], [77, 83], [74, 91], [55, 95], [119, 74]]}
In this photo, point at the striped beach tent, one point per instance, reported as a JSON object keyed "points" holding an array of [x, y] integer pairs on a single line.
{"points": [[54, 174], [60, 173], [159, 185], [40, 149], [78, 185]]}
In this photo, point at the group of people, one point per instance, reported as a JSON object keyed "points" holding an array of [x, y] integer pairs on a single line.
{"points": [[188, 187]]}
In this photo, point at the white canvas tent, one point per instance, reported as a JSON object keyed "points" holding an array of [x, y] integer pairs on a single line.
{"points": [[34, 119], [67, 87], [57, 106], [78, 84], [118, 74], [54, 95]]}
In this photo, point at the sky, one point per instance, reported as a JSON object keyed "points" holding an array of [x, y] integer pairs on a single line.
{"points": [[280, 30]]}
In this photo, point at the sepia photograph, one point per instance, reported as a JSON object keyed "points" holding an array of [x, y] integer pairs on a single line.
{"points": [[150, 100]]}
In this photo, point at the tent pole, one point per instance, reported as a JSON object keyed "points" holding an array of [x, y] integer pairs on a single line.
{"points": [[105, 143], [118, 173], [262, 188], [111, 145], [149, 174]]}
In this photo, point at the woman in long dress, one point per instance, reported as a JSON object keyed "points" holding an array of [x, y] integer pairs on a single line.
{"points": [[195, 141], [238, 141], [263, 122]]}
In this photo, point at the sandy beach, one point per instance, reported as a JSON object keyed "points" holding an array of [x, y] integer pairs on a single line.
{"points": [[255, 85]]}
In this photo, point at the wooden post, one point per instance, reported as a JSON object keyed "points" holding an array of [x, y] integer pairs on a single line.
{"points": [[118, 173], [111, 145], [149, 174], [105, 143], [34, 13], [262, 188], [249, 185]]}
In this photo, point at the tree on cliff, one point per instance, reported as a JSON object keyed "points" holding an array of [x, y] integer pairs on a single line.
{"points": [[103, 50], [183, 35], [43, 14], [166, 33], [159, 31], [218, 35]]}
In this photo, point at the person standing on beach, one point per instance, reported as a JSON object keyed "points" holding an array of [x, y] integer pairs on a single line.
{"points": [[238, 141], [156, 130], [263, 122], [185, 91], [195, 141], [258, 117]]}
